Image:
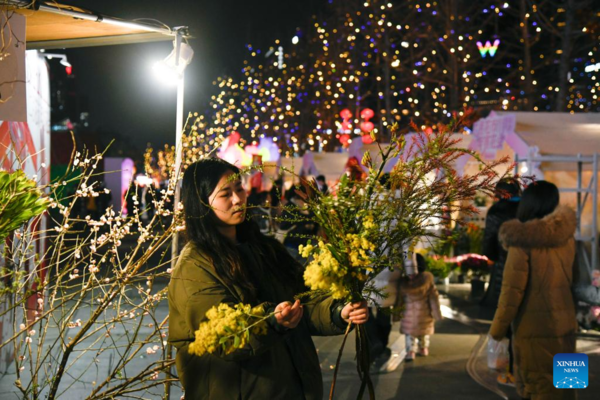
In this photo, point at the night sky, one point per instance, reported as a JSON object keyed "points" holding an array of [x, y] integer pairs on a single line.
{"points": [[116, 83]]}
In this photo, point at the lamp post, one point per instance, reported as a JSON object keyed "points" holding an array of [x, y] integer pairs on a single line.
{"points": [[178, 141], [172, 69]]}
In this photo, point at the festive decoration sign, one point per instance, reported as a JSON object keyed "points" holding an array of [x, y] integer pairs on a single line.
{"points": [[233, 153], [488, 48], [489, 133], [268, 150]]}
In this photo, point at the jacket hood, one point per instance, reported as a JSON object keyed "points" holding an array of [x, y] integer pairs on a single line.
{"points": [[554, 230], [419, 283]]}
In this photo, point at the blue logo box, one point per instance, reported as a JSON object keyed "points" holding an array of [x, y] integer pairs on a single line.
{"points": [[571, 371]]}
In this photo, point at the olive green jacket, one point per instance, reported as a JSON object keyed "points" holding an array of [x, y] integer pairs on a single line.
{"points": [[282, 364]]}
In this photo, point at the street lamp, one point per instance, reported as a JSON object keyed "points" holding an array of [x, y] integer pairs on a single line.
{"points": [[171, 71], [63, 60]]}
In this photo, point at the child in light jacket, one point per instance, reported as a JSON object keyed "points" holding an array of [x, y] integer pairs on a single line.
{"points": [[421, 308]]}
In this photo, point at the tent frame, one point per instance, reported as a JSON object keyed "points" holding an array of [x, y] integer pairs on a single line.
{"points": [[87, 28], [592, 188]]}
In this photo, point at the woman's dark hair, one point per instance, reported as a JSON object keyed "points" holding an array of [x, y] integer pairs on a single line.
{"points": [[385, 181], [507, 188], [538, 200], [421, 264], [199, 181]]}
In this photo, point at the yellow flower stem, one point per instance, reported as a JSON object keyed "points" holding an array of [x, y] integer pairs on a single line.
{"points": [[337, 363], [262, 318], [384, 160], [254, 324]]}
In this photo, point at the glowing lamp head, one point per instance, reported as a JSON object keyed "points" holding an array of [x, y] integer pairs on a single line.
{"points": [[170, 70], [166, 74]]}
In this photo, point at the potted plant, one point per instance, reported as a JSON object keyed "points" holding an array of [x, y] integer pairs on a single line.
{"points": [[477, 267], [439, 268]]}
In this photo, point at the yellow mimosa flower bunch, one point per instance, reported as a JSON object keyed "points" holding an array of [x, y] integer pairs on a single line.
{"points": [[228, 328], [324, 272]]}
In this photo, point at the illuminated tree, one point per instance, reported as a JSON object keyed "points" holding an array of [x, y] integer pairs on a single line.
{"points": [[570, 36], [410, 60]]}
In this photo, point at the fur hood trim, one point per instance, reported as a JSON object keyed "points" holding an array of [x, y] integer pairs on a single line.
{"points": [[554, 230], [419, 283]]}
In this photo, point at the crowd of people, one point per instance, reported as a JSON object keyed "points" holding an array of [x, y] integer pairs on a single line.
{"points": [[292, 225]]}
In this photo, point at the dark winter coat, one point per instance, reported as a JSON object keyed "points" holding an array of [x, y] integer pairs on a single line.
{"points": [[421, 305], [499, 213], [587, 293], [282, 364], [536, 299], [299, 226]]}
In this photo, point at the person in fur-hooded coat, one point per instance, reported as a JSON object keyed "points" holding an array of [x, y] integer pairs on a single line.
{"points": [[536, 291]]}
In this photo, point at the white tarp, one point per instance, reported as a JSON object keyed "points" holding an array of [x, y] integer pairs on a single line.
{"points": [[13, 100], [557, 133], [26, 145]]}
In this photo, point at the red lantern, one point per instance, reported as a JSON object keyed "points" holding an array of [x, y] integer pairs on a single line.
{"points": [[345, 114], [234, 138], [367, 126], [344, 139], [367, 139], [367, 114]]}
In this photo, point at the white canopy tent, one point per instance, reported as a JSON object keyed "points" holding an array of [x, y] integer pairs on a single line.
{"points": [[562, 148]]}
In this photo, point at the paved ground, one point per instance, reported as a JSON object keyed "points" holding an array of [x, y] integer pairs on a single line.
{"points": [[441, 375], [456, 368]]}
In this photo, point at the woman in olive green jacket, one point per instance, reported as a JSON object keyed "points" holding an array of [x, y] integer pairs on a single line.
{"points": [[228, 260], [536, 290]]}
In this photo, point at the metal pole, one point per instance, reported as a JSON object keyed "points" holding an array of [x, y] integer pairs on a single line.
{"points": [[178, 160], [595, 213], [579, 206], [178, 146]]}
